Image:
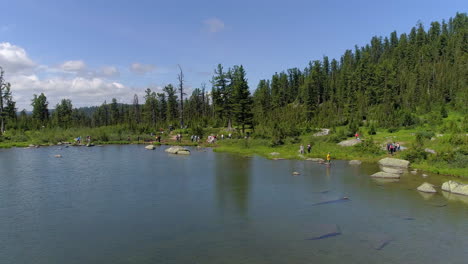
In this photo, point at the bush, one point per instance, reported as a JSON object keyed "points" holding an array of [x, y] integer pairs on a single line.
{"points": [[414, 155], [368, 146], [372, 130]]}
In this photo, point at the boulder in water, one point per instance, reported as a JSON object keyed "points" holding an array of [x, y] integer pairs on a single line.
{"points": [[385, 175], [455, 187], [178, 150], [58, 156], [426, 187], [391, 170], [296, 173], [391, 162], [355, 162], [150, 147]]}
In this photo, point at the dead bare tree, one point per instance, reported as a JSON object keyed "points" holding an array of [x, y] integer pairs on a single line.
{"points": [[180, 77]]}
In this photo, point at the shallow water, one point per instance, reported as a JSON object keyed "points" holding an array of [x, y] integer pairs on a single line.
{"points": [[125, 204]]}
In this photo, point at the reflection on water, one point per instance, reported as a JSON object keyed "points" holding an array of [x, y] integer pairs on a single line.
{"points": [[125, 204], [232, 182]]}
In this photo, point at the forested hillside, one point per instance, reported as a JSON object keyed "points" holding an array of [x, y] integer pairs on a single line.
{"points": [[389, 83]]}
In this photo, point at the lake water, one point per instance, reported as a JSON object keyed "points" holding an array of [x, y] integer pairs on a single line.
{"points": [[125, 204]]}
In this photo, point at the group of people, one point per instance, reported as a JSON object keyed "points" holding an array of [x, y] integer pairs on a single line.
{"points": [[195, 138], [392, 147], [78, 139], [301, 149], [179, 137], [309, 149]]}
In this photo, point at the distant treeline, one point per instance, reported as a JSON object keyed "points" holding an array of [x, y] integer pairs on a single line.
{"points": [[386, 83]]}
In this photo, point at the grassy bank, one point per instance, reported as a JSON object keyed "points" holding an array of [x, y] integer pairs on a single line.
{"points": [[450, 146]]}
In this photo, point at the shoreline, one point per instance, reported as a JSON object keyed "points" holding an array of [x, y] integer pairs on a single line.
{"points": [[237, 148]]}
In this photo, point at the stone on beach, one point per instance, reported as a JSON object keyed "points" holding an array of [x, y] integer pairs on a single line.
{"points": [[426, 187]]}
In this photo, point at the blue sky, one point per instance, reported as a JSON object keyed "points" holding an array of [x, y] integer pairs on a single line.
{"points": [[91, 51]]}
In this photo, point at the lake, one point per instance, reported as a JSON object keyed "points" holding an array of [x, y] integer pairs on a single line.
{"points": [[125, 204]]}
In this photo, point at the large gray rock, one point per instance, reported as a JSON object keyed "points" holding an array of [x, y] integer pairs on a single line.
{"points": [[391, 162], [322, 132], [385, 175], [349, 142], [178, 150], [393, 170], [150, 147], [355, 162], [455, 187], [426, 187]]}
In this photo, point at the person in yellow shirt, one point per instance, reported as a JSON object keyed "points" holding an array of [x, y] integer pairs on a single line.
{"points": [[328, 158]]}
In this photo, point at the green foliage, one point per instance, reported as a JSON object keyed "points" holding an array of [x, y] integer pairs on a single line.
{"points": [[372, 130], [368, 146], [414, 155]]}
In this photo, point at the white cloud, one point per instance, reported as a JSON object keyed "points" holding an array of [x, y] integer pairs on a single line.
{"points": [[73, 66], [214, 25], [141, 68], [14, 59], [71, 79], [108, 71], [83, 91]]}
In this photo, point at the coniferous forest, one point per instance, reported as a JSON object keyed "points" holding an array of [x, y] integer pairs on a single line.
{"points": [[398, 81]]}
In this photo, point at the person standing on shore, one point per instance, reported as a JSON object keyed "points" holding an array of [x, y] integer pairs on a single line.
{"points": [[309, 147], [328, 158], [301, 149]]}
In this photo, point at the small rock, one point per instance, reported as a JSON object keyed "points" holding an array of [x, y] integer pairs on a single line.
{"points": [[414, 172], [428, 150], [274, 153], [426, 187], [424, 175], [355, 162], [296, 173], [58, 156], [150, 147]]}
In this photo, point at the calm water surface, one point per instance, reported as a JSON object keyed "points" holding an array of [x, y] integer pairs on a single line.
{"points": [[125, 204]]}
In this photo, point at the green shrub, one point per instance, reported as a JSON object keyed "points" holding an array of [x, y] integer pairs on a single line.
{"points": [[368, 146], [414, 155]]}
